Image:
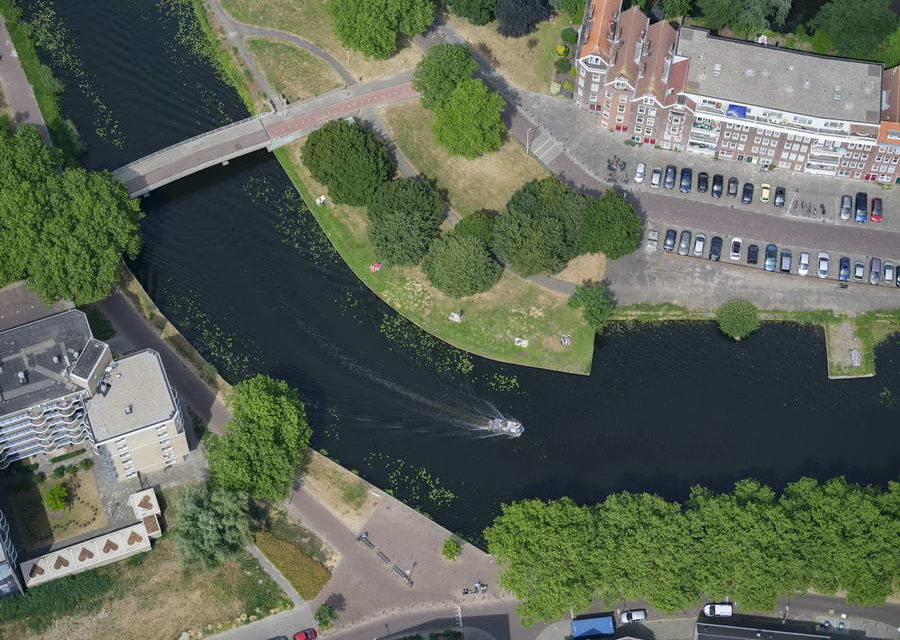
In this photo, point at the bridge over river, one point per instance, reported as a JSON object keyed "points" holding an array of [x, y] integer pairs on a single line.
{"points": [[265, 131]]}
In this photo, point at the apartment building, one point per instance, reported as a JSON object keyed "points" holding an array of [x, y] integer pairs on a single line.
{"points": [[10, 583], [59, 386], [689, 90]]}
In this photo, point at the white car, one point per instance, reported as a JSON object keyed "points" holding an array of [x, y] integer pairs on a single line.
{"points": [[639, 172], [822, 271], [888, 272], [699, 244], [632, 615], [718, 610], [736, 245], [652, 240], [656, 177], [803, 267]]}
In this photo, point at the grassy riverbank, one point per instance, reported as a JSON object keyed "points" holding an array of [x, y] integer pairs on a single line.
{"points": [[291, 71]]}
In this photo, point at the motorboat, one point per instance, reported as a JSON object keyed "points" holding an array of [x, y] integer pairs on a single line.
{"points": [[509, 427]]}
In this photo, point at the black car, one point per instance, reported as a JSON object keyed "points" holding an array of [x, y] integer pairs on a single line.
{"points": [[771, 252], [718, 182], [703, 182], [669, 182], [779, 197], [747, 194], [862, 207], [715, 248], [671, 235], [752, 254], [732, 187], [687, 177], [786, 256]]}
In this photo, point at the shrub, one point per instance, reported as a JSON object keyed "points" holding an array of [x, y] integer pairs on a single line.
{"points": [[40, 477], [451, 549], [67, 456], [461, 265], [325, 615], [596, 304], [404, 216], [305, 574], [569, 35], [737, 319], [56, 497], [479, 225], [562, 50], [563, 65], [212, 525], [72, 469], [59, 472], [47, 603], [86, 464], [568, 86]]}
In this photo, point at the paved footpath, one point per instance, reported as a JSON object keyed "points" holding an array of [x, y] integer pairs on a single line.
{"points": [[16, 88]]}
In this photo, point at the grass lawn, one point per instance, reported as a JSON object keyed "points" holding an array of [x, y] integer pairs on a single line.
{"points": [[483, 183], [309, 19], [306, 575], [41, 527], [292, 71], [151, 596], [526, 62], [870, 329], [513, 308]]}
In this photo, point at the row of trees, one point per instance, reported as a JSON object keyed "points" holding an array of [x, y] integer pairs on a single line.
{"points": [[750, 545], [62, 228], [376, 28], [515, 18]]}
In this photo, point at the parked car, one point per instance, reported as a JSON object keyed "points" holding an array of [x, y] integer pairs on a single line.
{"points": [[639, 172], [846, 207], [874, 270], [732, 187], [306, 634], [898, 277], [779, 197], [703, 182], [771, 253], [632, 615], [844, 270], [718, 610], [669, 245], [765, 192], [876, 215], [652, 240], [859, 269], [656, 177], [669, 182], [785, 266], [687, 177], [715, 248], [752, 254], [699, 244], [685, 244], [718, 182], [889, 273], [736, 249], [803, 264], [747, 195], [861, 209], [822, 271]]}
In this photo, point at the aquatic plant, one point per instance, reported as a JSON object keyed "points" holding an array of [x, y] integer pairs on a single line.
{"points": [[428, 350]]}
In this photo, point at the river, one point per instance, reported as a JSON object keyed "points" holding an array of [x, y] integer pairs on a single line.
{"points": [[232, 257]]}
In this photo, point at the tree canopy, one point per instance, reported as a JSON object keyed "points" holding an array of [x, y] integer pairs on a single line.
{"points": [[212, 524], [574, 9], [746, 16], [373, 27], [441, 70], [477, 12], [596, 304], [56, 498], [610, 226], [479, 224], [858, 28], [737, 318], [519, 17], [461, 265], [349, 160], [404, 216], [264, 440], [469, 122], [62, 229], [676, 8]]}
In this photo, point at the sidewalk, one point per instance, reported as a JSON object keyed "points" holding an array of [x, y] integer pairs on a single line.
{"points": [[16, 88]]}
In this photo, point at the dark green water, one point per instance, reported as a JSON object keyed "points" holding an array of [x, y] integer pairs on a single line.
{"points": [[233, 258]]}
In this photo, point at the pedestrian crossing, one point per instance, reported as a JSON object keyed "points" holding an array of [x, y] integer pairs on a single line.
{"points": [[544, 146]]}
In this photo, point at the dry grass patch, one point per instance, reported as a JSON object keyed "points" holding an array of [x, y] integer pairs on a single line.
{"points": [[589, 266], [526, 62], [306, 575], [483, 183], [291, 71], [309, 19], [345, 494]]}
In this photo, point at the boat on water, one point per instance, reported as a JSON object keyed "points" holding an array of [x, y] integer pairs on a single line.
{"points": [[509, 427]]}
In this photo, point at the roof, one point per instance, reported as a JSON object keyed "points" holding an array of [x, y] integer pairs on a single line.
{"points": [[600, 19], [593, 625], [89, 359], [139, 396], [890, 97], [792, 81], [20, 305], [29, 349], [657, 62], [707, 631], [631, 27]]}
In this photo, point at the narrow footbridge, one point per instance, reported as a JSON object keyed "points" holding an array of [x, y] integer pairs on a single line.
{"points": [[266, 131]]}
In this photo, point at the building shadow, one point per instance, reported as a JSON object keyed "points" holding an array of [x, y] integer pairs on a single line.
{"points": [[493, 627]]}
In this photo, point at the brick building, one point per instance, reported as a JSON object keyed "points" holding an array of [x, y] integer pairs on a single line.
{"points": [[689, 90]]}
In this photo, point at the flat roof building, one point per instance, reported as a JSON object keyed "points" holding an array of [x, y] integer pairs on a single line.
{"points": [[715, 631]]}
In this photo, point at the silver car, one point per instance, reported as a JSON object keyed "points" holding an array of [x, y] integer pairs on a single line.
{"points": [[699, 244], [822, 271], [803, 265], [656, 177], [888, 272], [875, 271], [685, 245], [846, 207], [639, 172]]}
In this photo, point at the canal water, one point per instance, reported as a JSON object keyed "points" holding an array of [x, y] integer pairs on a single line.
{"points": [[232, 257]]}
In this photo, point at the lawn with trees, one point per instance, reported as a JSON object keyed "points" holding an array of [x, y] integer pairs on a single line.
{"points": [[213, 524], [443, 68], [858, 28], [748, 16], [404, 219], [63, 229], [461, 265], [751, 545], [596, 303], [478, 12], [375, 27]]}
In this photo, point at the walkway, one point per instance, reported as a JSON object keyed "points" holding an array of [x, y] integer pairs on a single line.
{"points": [[18, 91]]}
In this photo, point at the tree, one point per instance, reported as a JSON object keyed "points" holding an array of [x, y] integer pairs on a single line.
{"points": [[858, 27], [263, 441], [744, 17], [325, 616], [441, 70], [479, 225], [56, 497], [349, 160], [519, 17], [470, 122], [569, 35], [212, 524], [890, 49], [477, 12], [562, 66], [737, 319], [461, 265], [596, 303], [610, 226], [404, 217], [676, 8], [574, 9], [63, 229], [373, 27], [554, 540], [451, 548]]}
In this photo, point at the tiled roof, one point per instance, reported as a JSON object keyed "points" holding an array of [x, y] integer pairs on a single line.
{"points": [[632, 24], [890, 86], [659, 46], [597, 41]]}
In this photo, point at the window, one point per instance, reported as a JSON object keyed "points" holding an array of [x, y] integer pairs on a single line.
{"points": [[606, 114], [620, 119], [642, 109], [595, 88], [801, 120], [756, 139], [648, 100], [639, 120], [620, 109], [620, 84], [651, 121], [843, 173], [743, 138], [608, 94], [652, 111], [727, 134], [623, 98], [635, 138], [639, 130]]}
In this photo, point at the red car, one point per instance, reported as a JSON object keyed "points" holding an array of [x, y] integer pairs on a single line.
{"points": [[876, 210], [306, 634]]}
